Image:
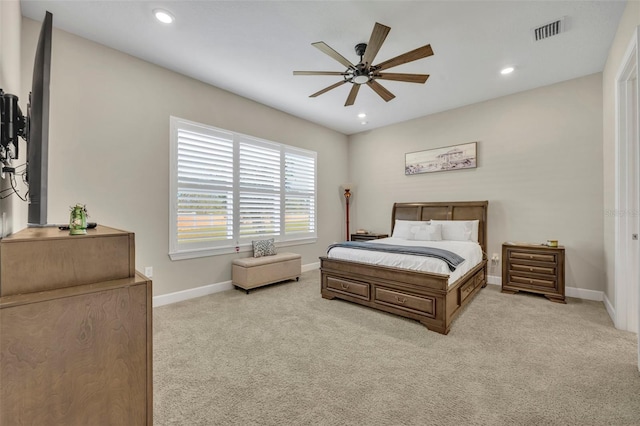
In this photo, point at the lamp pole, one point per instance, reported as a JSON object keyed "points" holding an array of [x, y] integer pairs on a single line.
{"points": [[347, 195]]}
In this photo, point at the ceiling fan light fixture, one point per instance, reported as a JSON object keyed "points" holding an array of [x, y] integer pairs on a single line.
{"points": [[360, 79], [163, 16], [507, 70]]}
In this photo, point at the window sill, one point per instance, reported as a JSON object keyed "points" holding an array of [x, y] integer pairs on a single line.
{"points": [[243, 248]]}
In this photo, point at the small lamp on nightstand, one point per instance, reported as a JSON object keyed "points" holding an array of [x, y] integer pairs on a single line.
{"points": [[347, 187]]}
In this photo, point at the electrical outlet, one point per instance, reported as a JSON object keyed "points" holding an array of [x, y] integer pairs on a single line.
{"points": [[495, 258], [148, 271]]}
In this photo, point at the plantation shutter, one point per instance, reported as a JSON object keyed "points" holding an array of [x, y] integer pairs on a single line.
{"points": [[299, 204], [259, 190], [205, 186]]}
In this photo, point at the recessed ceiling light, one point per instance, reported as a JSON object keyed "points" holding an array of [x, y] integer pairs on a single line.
{"points": [[362, 115], [507, 70], [163, 16], [364, 122]]}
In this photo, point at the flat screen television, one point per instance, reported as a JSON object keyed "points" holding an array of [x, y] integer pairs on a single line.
{"points": [[38, 127], [34, 129]]}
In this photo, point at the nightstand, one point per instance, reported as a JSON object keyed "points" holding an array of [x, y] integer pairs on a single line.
{"points": [[533, 268], [367, 237]]}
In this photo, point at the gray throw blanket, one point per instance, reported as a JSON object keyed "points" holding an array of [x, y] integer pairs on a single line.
{"points": [[452, 259]]}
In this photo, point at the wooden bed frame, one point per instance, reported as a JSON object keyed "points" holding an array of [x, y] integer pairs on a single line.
{"points": [[422, 296]]}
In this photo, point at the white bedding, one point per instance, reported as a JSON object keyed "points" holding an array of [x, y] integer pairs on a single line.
{"points": [[468, 250]]}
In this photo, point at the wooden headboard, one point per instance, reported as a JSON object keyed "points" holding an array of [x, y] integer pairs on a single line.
{"points": [[455, 210]]}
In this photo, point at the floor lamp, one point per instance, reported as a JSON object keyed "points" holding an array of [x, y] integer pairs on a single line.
{"points": [[347, 195]]}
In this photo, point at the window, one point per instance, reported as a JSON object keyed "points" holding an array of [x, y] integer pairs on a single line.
{"points": [[228, 189]]}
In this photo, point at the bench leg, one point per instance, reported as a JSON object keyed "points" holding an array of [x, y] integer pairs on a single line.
{"points": [[297, 278]]}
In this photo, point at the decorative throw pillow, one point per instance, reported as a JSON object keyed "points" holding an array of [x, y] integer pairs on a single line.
{"points": [[430, 232], [264, 248], [459, 230], [402, 228]]}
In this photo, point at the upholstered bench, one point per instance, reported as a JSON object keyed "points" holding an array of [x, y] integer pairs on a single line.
{"points": [[252, 272]]}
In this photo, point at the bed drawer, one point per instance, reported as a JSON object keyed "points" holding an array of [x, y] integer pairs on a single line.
{"points": [[407, 302], [351, 288]]}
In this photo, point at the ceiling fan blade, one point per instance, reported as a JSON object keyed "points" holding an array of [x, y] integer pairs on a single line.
{"points": [[409, 78], [352, 95], [419, 53], [319, 73], [335, 55], [326, 89], [378, 35], [384, 93]]}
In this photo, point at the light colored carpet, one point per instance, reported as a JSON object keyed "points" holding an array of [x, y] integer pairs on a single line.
{"points": [[282, 355]]}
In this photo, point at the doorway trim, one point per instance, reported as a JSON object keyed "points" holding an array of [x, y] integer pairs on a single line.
{"points": [[627, 192]]}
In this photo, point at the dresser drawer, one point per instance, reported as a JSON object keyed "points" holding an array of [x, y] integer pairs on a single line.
{"points": [[351, 288], [419, 304]]}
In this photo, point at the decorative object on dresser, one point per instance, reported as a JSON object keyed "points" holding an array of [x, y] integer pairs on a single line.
{"points": [[78, 220], [367, 236], [347, 187], [75, 329], [424, 296], [533, 268]]}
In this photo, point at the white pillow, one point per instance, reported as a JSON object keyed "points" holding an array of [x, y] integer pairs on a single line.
{"points": [[459, 230], [402, 228], [428, 232]]}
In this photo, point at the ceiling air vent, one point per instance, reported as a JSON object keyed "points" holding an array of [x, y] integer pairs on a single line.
{"points": [[548, 30]]}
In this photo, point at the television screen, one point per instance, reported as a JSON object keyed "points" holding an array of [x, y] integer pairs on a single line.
{"points": [[38, 127]]}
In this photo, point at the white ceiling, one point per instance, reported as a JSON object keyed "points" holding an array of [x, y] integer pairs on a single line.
{"points": [[251, 48]]}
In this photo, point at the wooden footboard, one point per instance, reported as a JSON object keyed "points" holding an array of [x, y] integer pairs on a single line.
{"points": [[421, 296]]}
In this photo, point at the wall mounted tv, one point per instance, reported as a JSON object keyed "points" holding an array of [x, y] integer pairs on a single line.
{"points": [[34, 129]]}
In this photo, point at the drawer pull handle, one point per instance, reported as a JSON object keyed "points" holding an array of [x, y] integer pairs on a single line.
{"points": [[530, 257], [530, 281], [344, 286], [530, 269], [401, 300]]}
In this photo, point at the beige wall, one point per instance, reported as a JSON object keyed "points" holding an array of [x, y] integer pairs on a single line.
{"points": [[628, 24], [11, 208], [109, 149], [539, 165]]}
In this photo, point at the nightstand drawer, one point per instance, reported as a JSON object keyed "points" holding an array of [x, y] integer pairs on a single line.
{"points": [[546, 270], [407, 302], [351, 288], [538, 257], [528, 280]]}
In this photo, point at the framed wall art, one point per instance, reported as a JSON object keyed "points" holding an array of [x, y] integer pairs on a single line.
{"points": [[453, 157]]}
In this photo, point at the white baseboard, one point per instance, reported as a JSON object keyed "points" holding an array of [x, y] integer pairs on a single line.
{"points": [[494, 279], [578, 293], [179, 296], [581, 293], [610, 310], [192, 293]]}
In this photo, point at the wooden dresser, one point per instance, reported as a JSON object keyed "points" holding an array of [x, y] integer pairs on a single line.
{"points": [[75, 329], [533, 268]]}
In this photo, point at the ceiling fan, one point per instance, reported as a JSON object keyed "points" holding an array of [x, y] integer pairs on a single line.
{"points": [[366, 73]]}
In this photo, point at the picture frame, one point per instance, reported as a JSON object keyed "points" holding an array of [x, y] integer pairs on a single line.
{"points": [[454, 157]]}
